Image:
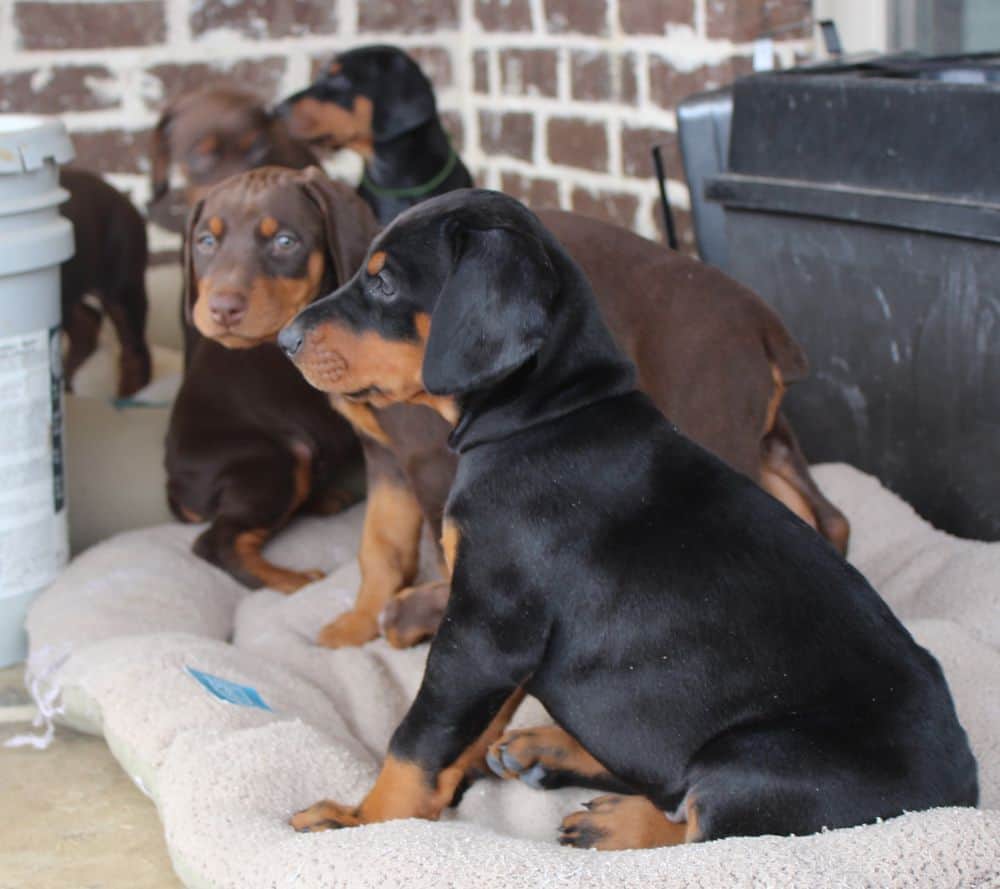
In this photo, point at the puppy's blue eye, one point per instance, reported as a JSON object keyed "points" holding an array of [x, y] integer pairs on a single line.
{"points": [[206, 242], [285, 241]]}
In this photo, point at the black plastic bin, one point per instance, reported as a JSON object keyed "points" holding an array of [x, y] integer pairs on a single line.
{"points": [[864, 204]]}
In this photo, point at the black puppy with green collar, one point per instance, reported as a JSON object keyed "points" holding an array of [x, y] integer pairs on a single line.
{"points": [[395, 126]]}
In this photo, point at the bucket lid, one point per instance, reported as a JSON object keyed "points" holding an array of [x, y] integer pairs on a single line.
{"points": [[27, 141]]}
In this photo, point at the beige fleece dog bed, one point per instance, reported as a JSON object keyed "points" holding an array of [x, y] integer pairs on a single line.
{"points": [[118, 634]]}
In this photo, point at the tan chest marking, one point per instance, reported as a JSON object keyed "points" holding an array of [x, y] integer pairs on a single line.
{"points": [[451, 536], [361, 417]]}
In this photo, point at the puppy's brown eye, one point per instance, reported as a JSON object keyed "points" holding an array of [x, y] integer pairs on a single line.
{"points": [[206, 242]]}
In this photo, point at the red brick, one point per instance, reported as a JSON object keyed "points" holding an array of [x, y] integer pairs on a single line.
{"points": [[454, 126], [536, 193], [608, 205], [630, 86], [592, 81], [262, 76], [259, 19], [510, 133], [112, 151], [481, 71], [590, 75], [528, 72], [577, 16], [89, 25], [653, 16], [407, 16], [435, 62], [59, 89], [637, 145], [504, 15], [578, 143], [744, 20], [668, 86]]}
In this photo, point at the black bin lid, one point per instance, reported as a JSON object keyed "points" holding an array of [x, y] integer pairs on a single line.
{"points": [[906, 140]]}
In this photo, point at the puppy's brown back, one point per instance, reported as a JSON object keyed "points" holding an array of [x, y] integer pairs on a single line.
{"points": [[706, 347]]}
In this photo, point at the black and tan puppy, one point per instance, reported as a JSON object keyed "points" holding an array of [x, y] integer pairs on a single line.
{"points": [[701, 642], [376, 101], [109, 263], [250, 443]]}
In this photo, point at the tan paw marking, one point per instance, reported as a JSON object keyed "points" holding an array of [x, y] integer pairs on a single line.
{"points": [[613, 822], [324, 815], [352, 628]]}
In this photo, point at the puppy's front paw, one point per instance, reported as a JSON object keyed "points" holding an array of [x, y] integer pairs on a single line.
{"points": [[288, 582], [324, 815], [526, 754], [414, 614], [350, 629]]}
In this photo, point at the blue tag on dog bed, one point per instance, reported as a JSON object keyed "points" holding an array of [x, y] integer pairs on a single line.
{"points": [[224, 690]]}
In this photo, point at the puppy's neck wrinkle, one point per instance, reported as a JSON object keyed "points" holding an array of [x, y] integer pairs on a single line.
{"points": [[578, 366], [410, 158]]}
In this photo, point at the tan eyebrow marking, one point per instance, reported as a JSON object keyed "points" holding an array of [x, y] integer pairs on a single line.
{"points": [[216, 226], [268, 226], [376, 263]]}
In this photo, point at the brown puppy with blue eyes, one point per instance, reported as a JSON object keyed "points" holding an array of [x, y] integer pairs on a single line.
{"points": [[728, 669], [250, 443]]}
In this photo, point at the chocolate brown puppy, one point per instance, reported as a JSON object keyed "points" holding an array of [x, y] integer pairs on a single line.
{"points": [[701, 643], [250, 443], [109, 263], [212, 133]]}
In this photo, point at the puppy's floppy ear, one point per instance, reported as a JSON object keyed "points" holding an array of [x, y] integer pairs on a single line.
{"points": [[159, 153], [348, 221], [407, 100], [190, 284], [492, 314]]}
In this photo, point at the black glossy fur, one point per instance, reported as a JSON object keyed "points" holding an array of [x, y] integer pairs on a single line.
{"points": [[409, 145], [697, 638]]}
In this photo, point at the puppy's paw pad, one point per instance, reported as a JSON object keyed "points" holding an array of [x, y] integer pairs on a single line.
{"points": [[525, 754]]}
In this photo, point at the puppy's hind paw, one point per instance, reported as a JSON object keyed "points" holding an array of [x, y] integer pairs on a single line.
{"points": [[324, 815]]}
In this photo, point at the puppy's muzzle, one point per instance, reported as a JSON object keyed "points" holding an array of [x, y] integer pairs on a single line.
{"points": [[321, 365]]}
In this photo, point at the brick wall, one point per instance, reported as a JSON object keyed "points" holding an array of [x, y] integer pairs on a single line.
{"points": [[555, 101]]}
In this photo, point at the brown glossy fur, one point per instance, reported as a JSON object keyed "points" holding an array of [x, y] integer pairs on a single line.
{"points": [[109, 263], [250, 443], [212, 133]]}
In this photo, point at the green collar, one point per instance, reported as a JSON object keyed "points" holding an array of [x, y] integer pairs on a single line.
{"points": [[414, 191]]}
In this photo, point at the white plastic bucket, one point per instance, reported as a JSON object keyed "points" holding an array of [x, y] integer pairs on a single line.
{"points": [[34, 241]]}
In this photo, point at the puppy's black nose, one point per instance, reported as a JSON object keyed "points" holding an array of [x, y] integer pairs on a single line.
{"points": [[290, 340]]}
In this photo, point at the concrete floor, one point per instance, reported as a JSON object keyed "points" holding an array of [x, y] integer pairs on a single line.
{"points": [[70, 818]]}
